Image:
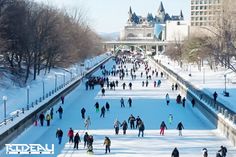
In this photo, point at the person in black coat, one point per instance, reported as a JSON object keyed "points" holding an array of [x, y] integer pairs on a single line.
{"points": [[176, 86], [193, 102], [85, 139], [103, 110], [180, 127], [124, 126], [103, 92], [138, 120], [76, 141], [141, 128], [51, 113], [131, 120], [83, 113], [59, 135], [183, 101], [175, 153], [41, 118], [60, 111], [130, 85], [215, 95], [223, 151], [107, 106], [130, 102]]}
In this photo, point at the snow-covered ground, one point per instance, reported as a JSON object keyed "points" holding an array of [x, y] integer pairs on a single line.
{"points": [[17, 97], [214, 80], [149, 103]]}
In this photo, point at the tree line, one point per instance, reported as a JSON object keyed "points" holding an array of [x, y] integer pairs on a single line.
{"points": [[216, 45], [35, 38]]}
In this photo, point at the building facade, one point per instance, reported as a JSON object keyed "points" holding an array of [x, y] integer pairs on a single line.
{"points": [[207, 15], [204, 12], [151, 27]]}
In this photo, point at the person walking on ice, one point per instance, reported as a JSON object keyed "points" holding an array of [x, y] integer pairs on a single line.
{"points": [[83, 113], [107, 106], [167, 99], [107, 143], [130, 102], [59, 135], [223, 151], [76, 141], [103, 110], [71, 135], [141, 128], [131, 120], [162, 128], [170, 118], [175, 153], [48, 118], [51, 113], [60, 111], [204, 152], [62, 99], [180, 127], [87, 123], [117, 126], [85, 139], [122, 104], [124, 126], [96, 107]]}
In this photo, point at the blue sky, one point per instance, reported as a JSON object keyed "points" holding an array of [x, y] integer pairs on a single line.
{"points": [[111, 15]]}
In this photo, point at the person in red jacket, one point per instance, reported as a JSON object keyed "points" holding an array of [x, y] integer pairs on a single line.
{"points": [[162, 128], [70, 135]]}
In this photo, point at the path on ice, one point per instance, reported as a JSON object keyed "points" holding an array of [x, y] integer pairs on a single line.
{"points": [[149, 103]]}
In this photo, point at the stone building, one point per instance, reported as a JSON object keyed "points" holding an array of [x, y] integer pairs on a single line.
{"points": [[150, 27]]}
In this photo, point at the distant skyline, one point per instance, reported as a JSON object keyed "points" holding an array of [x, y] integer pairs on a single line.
{"points": [[111, 15]]}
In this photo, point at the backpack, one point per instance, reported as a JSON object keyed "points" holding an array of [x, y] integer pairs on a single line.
{"points": [[109, 141]]}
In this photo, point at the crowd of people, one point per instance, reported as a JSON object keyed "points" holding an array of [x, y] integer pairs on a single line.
{"points": [[132, 122]]}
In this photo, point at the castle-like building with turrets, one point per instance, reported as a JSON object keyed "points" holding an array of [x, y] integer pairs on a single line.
{"points": [[149, 27]]}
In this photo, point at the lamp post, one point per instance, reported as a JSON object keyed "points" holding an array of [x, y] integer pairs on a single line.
{"points": [[64, 79], [225, 82], [43, 89], [55, 82], [28, 87], [4, 98], [203, 70], [190, 71], [71, 74]]}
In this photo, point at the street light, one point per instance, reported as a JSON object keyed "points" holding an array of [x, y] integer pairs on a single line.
{"points": [[71, 74], [55, 82], [64, 79], [225, 82], [190, 71], [43, 89], [28, 87], [4, 98], [203, 70]]}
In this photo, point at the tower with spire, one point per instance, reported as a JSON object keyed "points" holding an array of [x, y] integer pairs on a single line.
{"points": [[160, 16], [151, 26]]}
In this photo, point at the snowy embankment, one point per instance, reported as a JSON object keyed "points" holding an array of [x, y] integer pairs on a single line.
{"points": [[148, 103], [207, 80], [17, 97]]}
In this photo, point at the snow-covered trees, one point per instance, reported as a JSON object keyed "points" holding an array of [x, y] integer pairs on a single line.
{"points": [[35, 37]]}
